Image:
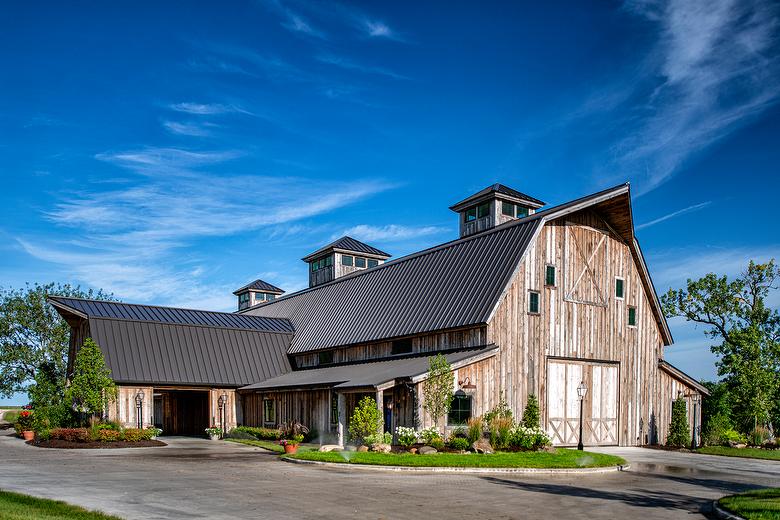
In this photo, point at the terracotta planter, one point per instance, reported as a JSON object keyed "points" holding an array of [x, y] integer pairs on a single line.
{"points": [[290, 448], [28, 435]]}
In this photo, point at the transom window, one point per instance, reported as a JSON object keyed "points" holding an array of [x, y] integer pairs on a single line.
{"points": [[533, 302], [269, 411], [549, 275], [619, 288], [401, 346], [460, 409], [632, 316], [347, 260]]}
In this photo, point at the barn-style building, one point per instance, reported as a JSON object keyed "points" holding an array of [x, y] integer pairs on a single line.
{"points": [[528, 300]]}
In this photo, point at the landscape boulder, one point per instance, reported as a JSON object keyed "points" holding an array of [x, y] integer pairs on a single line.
{"points": [[381, 447], [362, 449], [330, 447], [482, 446], [427, 450]]}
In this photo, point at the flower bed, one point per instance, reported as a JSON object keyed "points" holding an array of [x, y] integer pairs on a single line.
{"points": [[98, 436]]}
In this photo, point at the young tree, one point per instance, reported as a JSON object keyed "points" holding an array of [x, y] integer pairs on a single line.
{"points": [[33, 336], [91, 387], [438, 388], [678, 429], [735, 313], [366, 420], [531, 412]]}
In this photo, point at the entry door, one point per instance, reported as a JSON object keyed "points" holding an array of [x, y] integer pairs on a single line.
{"points": [[600, 406]]}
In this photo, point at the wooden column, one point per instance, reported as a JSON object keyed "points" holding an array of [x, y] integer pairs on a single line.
{"points": [[380, 404], [342, 406]]}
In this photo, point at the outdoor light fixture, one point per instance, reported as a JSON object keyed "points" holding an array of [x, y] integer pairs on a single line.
{"points": [[466, 384], [139, 408], [582, 390], [221, 402]]}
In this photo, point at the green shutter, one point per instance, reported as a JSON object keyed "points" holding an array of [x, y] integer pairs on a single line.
{"points": [[549, 277], [533, 302], [618, 287], [632, 316]]}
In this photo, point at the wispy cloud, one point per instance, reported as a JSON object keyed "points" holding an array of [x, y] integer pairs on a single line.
{"points": [[716, 64], [380, 29], [192, 129], [292, 20], [345, 63], [673, 214], [207, 109], [154, 161], [390, 232]]}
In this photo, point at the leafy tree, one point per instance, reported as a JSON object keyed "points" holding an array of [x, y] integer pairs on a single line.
{"points": [[91, 387], [736, 314], [531, 412], [33, 337], [438, 388], [366, 420], [678, 429]]}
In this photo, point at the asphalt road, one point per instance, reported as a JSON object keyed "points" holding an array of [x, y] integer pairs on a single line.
{"points": [[193, 478]]}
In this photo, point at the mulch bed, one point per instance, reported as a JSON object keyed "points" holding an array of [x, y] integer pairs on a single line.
{"points": [[94, 445]]}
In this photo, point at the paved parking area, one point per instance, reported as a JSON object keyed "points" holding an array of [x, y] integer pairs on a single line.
{"points": [[194, 478]]}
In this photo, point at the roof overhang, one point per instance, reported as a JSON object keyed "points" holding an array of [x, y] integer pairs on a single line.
{"points": [[473, 201], [682, 377]]}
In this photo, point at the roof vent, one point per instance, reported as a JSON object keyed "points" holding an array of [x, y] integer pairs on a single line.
{"points": [[342, 257], [492, 206]]}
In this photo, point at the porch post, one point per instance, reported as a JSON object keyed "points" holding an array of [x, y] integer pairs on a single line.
{"points": [[380, 404], [342, 407]]}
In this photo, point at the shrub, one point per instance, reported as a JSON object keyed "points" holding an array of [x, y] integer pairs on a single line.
{"points": [[759, 435], [678, 429], [135, 435], [378, 438], [264, 434], [500, 431], [525, 438], [153, 431], [531, 412], [406, 436], [430, 435], [109, 425], [235, 433], [717, 426], [43, 435], [501, 410], [437, 442], [109, 435], [459, 443], [366, 420], [70, 434], [458, 431], [475, 429]]}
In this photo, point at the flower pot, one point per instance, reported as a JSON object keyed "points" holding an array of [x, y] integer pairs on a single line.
{"points": [[214, 437], [28, 435], [290, 448]]}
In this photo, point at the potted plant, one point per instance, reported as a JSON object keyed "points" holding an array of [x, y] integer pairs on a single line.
{"points": [[214, 433], [291, 445], [24, 425]]}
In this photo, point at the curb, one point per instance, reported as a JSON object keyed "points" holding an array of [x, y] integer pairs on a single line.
{"points": [[722, 514], [450, 469]]}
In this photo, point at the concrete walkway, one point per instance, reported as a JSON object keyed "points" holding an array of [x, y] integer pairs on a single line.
{"points": [[194, 478]]}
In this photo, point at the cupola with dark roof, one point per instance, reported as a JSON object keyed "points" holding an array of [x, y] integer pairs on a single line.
{"points": [[492, 206], [342, 257], [255, 293]]}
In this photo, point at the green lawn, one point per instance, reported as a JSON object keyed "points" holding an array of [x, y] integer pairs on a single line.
{"points": [[761, 504], [10, 416], [563, 458], [15, 506], [750, 453], [274, 445]]}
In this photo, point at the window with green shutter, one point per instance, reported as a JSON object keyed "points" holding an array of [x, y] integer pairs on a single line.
{"points": [[549, 275], [619, 282], [533, 302], [632, 316]]}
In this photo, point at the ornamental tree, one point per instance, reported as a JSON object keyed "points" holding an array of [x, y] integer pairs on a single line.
{"points": [[366, 420], [91, 387], [678, 429], [531, 412], [438, 388]]}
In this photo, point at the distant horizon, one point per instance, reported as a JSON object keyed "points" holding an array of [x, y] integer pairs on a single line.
{"points": [[218, 145]]}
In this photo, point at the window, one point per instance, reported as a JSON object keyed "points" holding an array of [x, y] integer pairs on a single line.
{"points": [[334, 408], [508, 209], [372, 262], [401, 346], [619, 282], [270, 297], [259, 297], [521, 212], [533, 302], [470, 215], [549, 275], [483, 210], [632, 316], [322, 263], [346, 260], [360, 261], [460, 409], [243, 300], [328, 261], [326, 358], [269, 411]]}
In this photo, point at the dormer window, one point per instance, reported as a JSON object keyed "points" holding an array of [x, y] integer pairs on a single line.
{"points": [[243, 300], [513, 210], [360, 262], [492, 207], [483, 210], [347, 260], [256, 293], [471, 214], [372, 262], [322, 263]]}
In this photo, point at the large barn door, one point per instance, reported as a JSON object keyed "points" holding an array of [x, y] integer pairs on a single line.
{"points": [[600, 408], [585, 273]]}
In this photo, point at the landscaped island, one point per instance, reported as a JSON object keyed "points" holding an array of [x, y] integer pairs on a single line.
{"points": [[759, 504], [15, 506]]}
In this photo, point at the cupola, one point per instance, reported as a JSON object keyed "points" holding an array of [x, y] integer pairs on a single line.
{"points": [[492, 206], [344, 256], [256, 293]]}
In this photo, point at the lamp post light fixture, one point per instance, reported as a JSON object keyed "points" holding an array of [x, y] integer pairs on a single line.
{"points": [[694, 440], [221, 402], [139, 408], [582, 390]]}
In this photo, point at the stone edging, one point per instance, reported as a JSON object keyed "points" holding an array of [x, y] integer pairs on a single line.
{"points": [[722, 514], [450, 469]]}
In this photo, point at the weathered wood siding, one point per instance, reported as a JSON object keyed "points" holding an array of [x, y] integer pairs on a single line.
{"points": [[124, 411], [579, 318], [463, 338], [668, 388], [309, 407]]}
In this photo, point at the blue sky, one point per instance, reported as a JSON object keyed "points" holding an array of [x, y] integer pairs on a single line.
{"points": [[172, 153]]}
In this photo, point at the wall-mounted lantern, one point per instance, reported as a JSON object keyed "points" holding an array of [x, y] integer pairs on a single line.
{"points": [[466, 384]]}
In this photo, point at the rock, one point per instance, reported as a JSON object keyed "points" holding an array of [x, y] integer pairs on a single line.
{"points": [[350, 448], [427, 450], [482, 446], [330, 447], [732, 444], [549, 449], [413, 450], [740, 446], [381, 447], [362, 449]]}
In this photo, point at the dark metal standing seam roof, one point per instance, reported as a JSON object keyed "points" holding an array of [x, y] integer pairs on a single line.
{"points": [[348, 244], [259, 285], [453, 285], [499, 188], [130, 311]]}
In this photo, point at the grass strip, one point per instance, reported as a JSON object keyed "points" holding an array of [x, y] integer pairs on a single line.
{"points": [[274, 445], [748, 453], [15, 506], [759, 504]]}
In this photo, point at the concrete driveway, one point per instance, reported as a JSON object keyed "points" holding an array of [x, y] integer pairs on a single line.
{"points": [[193, 478]]}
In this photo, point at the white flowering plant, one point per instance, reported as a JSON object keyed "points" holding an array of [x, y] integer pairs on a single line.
{"points": [[431, 435], [406, 436], [525, 438]]}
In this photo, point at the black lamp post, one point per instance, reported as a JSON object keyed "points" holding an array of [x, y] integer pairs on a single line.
{"points": [[694, 441], [139, 408], [581, 391], [221, 403]]}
